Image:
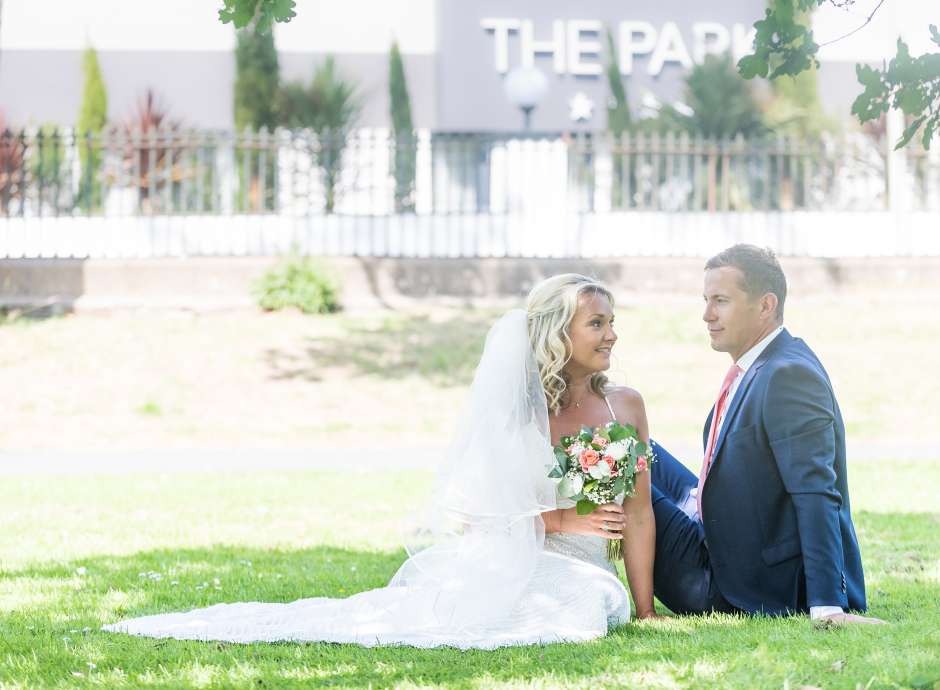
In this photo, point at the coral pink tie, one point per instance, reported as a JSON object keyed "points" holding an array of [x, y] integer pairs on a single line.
{"points": [[720, 406]]}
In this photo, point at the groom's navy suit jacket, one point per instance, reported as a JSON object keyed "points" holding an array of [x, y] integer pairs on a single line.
{"points": [[775, 502]]}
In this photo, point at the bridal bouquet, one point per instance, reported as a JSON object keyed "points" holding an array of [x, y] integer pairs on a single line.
{"points": [[599, 466]]}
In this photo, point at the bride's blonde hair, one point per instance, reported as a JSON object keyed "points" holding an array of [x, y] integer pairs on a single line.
{"points": [[551, 306]]}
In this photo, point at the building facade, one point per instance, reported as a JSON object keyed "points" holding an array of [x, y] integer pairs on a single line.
{"points": [[457, 56]]}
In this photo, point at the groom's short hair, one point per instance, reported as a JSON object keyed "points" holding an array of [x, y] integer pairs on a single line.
{"points": [[760, 270]]}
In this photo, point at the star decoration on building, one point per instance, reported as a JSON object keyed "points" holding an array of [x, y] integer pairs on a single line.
{"points": [[581, 108]]}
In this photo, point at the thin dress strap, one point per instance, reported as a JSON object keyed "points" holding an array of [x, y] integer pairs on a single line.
{"points": [[612, 415]]}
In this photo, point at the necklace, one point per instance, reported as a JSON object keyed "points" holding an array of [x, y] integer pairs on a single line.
{"points": [[577, 403]]}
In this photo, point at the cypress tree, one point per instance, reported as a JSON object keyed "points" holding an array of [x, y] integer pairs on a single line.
{"points": [[618, 119], [618, 110], [256, 79], [404, 144], [255, 97], [92, 117]]}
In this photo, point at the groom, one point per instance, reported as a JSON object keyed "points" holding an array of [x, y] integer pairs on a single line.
{"points": [[766, 527]]}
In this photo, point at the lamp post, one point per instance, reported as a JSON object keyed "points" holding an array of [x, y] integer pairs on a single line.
{"points": [[525, 87]]}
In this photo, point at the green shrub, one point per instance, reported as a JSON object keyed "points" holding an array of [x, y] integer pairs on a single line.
{"points": [[299, 282]]}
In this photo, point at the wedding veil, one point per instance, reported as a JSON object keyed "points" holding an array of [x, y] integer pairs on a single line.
{"points": [[483, 524]]}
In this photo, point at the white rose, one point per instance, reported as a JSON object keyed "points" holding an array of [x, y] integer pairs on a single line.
{"points": [[600, 471], [570, 485], [575, 450], [616, 450]]}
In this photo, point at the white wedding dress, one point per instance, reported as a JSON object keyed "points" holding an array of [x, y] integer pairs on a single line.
{"points": [[485, 575]]}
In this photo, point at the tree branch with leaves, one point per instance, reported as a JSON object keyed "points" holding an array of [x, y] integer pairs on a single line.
{"points": [[785, 46], [263, 13]]}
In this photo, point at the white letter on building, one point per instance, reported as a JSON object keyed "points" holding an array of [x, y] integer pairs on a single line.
{"points": [[670, 48], [710, 38], [629, 46], [743, 40], [501, 29], [555, 47], [577, 47]]}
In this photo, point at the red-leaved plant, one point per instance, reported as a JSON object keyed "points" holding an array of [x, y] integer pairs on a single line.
{"points": [[12, 160], [153, 147]]}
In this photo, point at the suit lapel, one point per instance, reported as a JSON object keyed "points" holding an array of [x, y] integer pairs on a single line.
{"points": [[780, 341], [733, 408], [708, 424]]}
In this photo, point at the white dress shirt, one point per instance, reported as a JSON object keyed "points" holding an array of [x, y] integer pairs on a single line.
{"points": [[745, 362]]}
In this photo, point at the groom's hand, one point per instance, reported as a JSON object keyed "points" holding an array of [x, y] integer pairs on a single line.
{"points": [[650, 615], [845, 619], [605, 521]]}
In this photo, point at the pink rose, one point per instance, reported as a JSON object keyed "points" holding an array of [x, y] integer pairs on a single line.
{"points": [[611, 463], [589, 458], [641, 464], [600, 441]]}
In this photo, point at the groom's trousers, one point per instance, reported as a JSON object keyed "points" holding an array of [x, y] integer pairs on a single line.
{"points": [[682, 576]]}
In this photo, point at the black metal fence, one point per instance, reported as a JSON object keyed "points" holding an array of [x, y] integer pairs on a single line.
{"points": [[52, 172]]}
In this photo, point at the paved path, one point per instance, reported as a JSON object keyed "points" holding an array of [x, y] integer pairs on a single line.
{"points": [[203, 460], [255, 460]]}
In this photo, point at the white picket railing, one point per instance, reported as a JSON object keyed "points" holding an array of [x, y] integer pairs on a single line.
{"points": [[186, 193]]}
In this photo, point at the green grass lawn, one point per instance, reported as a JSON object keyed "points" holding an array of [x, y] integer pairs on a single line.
{"points": [[79, 551]]}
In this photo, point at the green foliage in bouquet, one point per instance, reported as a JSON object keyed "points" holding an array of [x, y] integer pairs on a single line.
{"points": [[299, 282]]}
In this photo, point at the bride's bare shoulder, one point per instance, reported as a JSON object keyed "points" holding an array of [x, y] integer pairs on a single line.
{"points": [[623, 395], [628, 405]]}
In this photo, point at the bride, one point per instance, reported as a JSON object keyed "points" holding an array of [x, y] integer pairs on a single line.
{"points": [[501, 559]]}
